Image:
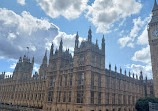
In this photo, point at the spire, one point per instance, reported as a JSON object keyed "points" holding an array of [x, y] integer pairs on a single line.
{"points": [[115, 68], [133, 75], [33, 60], [129, 74], [155, 6], [125, 72], [51, 50], [76, 41], [120, 70], [90, 35], [141, 75], [45, 58], [110, 66], [61, 46], [96, 42], [103, 44]]}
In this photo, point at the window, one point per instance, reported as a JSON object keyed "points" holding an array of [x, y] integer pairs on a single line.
{"points": [[71, 77], [79, 96], [59, 96], [107, 96], [64, 99], [107, 82], [119, 99], [99, 81], [69, 96], [61, 81], [81, 79], [92, 97], [52, 82], [113, 98], [124, 99], [65, 80], [92, 80], [50, 96], [99, 62], [93, 60], [99, 97]]}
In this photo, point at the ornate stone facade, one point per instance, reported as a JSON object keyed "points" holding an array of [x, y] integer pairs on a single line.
{"points": [[78, 83], [153, 42]]}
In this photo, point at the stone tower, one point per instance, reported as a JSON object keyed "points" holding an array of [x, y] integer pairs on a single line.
{"points": [[153, 42]]}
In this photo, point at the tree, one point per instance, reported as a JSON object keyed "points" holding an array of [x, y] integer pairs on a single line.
{"points": [[142, 104]]}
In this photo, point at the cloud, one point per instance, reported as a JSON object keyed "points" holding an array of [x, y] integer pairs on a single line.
{"points": [[70, 9], [20, 31], [103, 13], [13, 66], [142, 55], [147, 70], [137, 27], [21, 2], [143, 38], [8, 74]]}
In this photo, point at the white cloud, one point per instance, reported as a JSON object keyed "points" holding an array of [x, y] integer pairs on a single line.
{"points": [[103, 13], [143, 38], [147, 70], [13, 66], [21, 2], [8, 74], [137, 27], [28, 31], [142, 55], [70, 9]]}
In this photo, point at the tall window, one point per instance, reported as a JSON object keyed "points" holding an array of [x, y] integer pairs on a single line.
{"points": [[93, 60], [61, 81], [65, 80], [99, 80], [92, 79], [107, 82], [113, 98], [99, 62], [69, 96], [81, 79], [59, 96], [71, 77], [52, 82], [119, 99], [92, 97], [50, 96], [99, 97], [79, 96], [107, 96], [124, 99], [64, 98]]}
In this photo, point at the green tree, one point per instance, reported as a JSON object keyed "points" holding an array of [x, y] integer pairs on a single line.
{"points": [[142, 104]]}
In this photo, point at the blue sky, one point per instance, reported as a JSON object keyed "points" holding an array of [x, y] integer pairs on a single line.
{"points": [[38, 23]]}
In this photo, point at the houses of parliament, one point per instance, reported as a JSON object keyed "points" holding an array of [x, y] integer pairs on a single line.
{"points": [[81, 82]]}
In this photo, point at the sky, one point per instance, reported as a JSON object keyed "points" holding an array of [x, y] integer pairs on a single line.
{"points": [[38, 23]]}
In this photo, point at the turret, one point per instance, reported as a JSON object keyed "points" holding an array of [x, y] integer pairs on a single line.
{"points": [[76, 41], [133, 75], [90, 35], [33, 60], [155, 8]]}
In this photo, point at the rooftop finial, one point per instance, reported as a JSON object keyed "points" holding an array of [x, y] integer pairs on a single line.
{"points": [[90, 34], [155, 6]]}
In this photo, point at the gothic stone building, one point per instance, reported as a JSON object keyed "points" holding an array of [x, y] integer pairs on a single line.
{"points": [[78, 83]]}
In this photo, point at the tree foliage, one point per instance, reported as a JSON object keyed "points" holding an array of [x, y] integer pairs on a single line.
{"points": [[142, 104]]}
